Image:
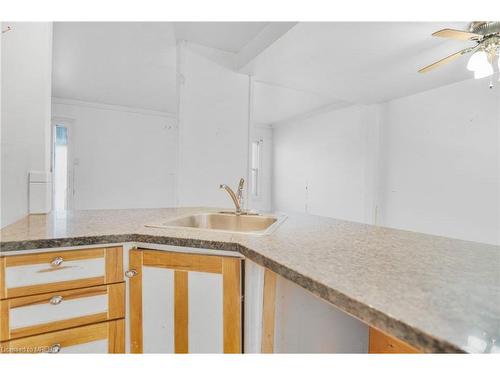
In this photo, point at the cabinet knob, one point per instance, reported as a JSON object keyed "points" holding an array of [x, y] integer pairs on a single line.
{"points": [[56, 262], [131, 273], [56, 300], [56, 348]]}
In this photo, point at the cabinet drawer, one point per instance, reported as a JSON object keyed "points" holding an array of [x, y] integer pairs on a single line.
{"points": [[24, 275], [107, 337], [27, 316], [381, 343]]}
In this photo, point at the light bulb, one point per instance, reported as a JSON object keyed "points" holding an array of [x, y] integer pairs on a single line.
{"points": [[476, 60], [480, 65]]}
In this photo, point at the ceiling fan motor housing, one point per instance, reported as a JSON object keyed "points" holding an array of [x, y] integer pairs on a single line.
{"points": [[485, 28], [490, 43]]}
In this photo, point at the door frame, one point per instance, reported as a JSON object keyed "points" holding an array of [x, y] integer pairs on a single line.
{"points": [[69, 125]]}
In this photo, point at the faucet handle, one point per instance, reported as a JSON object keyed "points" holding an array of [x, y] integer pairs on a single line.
{"points": [[240, 187], [240, 193]]}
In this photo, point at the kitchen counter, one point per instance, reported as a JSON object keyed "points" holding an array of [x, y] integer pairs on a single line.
{"points": [[436, 293]]}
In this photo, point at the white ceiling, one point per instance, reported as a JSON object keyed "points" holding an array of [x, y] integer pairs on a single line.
{"points": [[227, 36], [134, 63], [297, 69], [273, 103], [122, 63], [359, 62]]}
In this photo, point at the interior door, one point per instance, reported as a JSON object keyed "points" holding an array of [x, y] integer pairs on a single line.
{"points": [[184, 303]]}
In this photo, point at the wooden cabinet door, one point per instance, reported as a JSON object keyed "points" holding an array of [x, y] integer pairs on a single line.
{"points": [[184, 303], [382, 343]]}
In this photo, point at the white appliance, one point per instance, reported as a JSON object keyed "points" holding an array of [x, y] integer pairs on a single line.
{"points": [[40, 192]]}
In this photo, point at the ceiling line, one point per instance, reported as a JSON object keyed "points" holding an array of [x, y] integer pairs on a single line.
{"points": [[260, 42], [332, 106], [321, 96], [112, 107]]}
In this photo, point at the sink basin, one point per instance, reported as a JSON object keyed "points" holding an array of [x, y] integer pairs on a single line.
{"points": [[225, 222]]}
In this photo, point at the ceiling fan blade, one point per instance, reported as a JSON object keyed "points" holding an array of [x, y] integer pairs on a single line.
{"points": [[457, 34], [446, 60]]}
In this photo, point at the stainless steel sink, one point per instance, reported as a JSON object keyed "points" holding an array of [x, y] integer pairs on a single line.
{"points": [[225, 222]]}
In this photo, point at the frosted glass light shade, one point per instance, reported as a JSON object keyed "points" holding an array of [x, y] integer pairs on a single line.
{"points": [[479, 64]]}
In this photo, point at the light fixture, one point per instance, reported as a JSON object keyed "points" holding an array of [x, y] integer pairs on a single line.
{"points": [[480, 65], [486, 51], [498, 62]]}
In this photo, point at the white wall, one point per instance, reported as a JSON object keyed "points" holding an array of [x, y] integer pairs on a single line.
{"points": [[1, 128], [126, 157], [213, 126], [122, 63], [428, 163], [439, 156], [320, 164], [26, 96]]}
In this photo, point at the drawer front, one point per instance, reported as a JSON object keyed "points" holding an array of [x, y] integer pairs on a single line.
{"points": [[26, 316], [24, 275], [107, 337], [381, 343]]}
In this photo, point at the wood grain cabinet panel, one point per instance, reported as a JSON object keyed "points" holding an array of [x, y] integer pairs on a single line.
{"points": [[106, 337], [29, 274], [185, 303], [382, 343]]}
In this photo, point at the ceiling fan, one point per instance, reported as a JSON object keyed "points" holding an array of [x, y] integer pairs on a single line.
{"points": [[487, 38]]}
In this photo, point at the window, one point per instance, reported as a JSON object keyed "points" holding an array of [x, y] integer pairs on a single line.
{"points": [[255, 168]]}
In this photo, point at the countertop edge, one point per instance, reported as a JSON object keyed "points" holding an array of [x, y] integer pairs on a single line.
{"points": [[367, 314]]}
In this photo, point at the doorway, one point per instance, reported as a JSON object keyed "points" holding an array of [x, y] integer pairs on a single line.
{"points": [[61, 166]]}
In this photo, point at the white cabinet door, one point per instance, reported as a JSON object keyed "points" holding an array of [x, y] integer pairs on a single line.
{"points": [[307, 324], [282, 317], [204, 312], [158, 310], [205, 301], [184, 303]]}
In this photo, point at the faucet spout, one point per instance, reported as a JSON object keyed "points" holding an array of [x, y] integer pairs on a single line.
{"points": [[236, 198]]}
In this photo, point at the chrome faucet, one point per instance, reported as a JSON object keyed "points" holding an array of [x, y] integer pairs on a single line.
{"points": [[238, 197]]}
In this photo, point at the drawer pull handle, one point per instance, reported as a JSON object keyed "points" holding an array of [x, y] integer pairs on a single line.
{"points": [[130, 273], [56, 262], [56, 300], [56, 348]]}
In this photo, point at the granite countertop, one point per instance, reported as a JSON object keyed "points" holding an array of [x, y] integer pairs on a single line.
{"points": [[438, 294]]}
